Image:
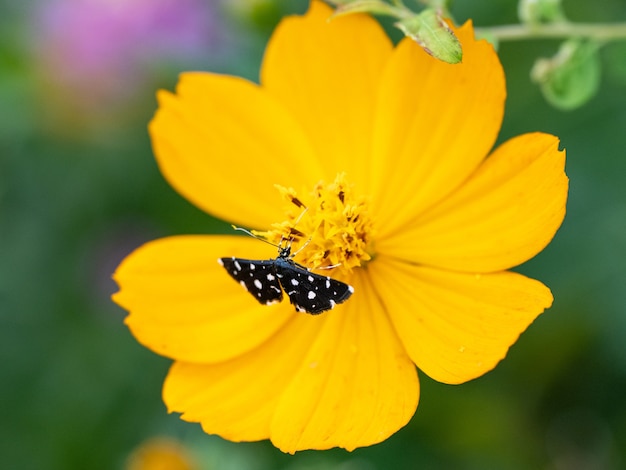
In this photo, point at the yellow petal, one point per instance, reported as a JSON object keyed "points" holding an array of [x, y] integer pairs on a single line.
{"points": [[435, 123], [356, 385], [506, 213], [457, 326], [236, 399], [185, 306], [222, 142], [327, 73]]}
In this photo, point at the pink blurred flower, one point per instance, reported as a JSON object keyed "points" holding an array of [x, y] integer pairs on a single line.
{"points": [[99, 51]]}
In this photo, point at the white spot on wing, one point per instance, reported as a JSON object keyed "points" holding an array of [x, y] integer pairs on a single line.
{"points": [[219, 260], [311, 295], [237, 265], [294, 282], [311, 278], [270, 277], [258, 284]]}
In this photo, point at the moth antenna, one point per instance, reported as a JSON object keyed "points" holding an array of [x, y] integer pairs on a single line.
{"points": [[293, 230], [298, 203], [302, 247], [301, 215], [329, 267], [240, 229]]}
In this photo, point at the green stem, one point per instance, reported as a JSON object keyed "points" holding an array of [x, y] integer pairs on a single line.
{"points": [[516, 32]]}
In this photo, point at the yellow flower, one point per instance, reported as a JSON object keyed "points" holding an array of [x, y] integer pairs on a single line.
{"points": [[387, 148], [160, 453]]}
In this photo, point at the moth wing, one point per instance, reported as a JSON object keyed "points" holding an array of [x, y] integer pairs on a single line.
{"points": [[257, 277], [310, 292]]}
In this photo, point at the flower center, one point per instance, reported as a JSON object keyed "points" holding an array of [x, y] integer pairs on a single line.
{"points": [[328, 227]]}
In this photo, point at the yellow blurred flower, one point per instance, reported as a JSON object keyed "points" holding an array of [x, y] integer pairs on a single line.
{"points": [[160, 454], [388, 149]]}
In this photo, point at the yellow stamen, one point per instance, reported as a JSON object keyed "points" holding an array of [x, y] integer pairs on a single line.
{"points": [[329, 227]]}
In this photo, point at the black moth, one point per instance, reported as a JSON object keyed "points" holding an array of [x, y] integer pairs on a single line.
{"points": [[309, 292]]}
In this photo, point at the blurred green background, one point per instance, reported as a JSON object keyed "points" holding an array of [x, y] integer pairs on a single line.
{"points": [[79, 189]]}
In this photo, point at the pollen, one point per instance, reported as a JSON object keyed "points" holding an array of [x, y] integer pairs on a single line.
{"points": [[327, 227]]}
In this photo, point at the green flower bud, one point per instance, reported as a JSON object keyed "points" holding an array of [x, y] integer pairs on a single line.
{"points": [[539, 11], [570, 78], [373, 7], [431, 32]]}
